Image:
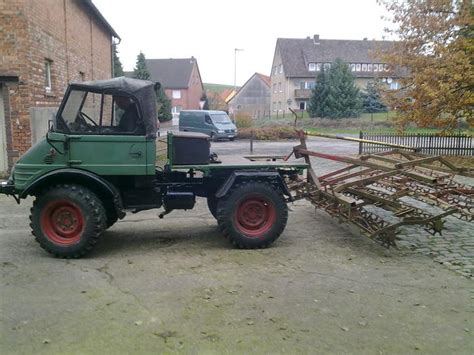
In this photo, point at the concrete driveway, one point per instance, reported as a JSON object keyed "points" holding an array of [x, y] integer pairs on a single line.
{"points": [[176, 286]]}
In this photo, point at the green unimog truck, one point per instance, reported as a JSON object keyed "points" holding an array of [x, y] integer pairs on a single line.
{"points": [[98, 161]]}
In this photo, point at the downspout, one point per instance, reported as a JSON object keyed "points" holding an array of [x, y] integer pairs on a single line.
{"points": [[113, 44], [66, 42]]}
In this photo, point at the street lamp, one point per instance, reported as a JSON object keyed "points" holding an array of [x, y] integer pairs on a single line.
{"points": [[235, 68]]}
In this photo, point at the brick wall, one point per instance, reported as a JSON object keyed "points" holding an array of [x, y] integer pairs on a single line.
{"points": [[32, 31], [183, 101], [194, 90], [191, 95]]}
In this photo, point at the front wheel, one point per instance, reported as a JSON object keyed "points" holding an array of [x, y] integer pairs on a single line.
{"points": [[252, 215], [68, 220]]}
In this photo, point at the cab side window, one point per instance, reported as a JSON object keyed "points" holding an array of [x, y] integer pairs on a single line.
{"points": [[207, 119], [127, 116], [95, 113], [121, 116]]}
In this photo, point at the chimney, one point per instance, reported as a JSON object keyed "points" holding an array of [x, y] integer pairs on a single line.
{"points": [[365, 38], [316, 39]]}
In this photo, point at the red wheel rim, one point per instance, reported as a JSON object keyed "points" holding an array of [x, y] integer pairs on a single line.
{"points": [[62, 222], [254, 215]]}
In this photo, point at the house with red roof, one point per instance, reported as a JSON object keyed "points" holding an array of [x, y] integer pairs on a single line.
{"points": [[181, 80]]}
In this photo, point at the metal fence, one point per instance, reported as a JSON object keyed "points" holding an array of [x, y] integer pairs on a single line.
{"points": [[456, 144]]}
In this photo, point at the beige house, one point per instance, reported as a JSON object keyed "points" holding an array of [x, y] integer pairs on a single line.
{"points": [[253, 98], [297, 62]]}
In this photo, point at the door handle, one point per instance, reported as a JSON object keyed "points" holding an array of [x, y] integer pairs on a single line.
{"points": [[136, 154]]}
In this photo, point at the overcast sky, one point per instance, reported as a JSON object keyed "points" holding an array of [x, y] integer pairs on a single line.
{"points": [[210, 30]]}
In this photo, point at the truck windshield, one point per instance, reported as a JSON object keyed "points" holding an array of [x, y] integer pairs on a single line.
{"points": [[221, 118]]}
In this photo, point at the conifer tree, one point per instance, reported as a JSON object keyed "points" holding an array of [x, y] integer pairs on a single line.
{"points": [[141, 71], [335, 94], [118, 68], [371, 100], [164, 106]]}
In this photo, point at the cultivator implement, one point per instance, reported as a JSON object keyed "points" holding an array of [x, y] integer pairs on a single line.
{"points": [[379, 193]]}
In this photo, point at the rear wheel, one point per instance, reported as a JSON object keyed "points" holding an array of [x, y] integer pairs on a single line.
{"points": [[212, 205], [252, 215], [67, 220]]}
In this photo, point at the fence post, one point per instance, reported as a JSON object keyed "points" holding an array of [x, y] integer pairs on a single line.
{"points": [[251, 141], [360, 143]]}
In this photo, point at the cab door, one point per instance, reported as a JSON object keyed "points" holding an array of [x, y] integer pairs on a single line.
{"points": [[109, 154], [101, 136]]}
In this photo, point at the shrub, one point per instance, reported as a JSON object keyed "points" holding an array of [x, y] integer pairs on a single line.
{"points": [[243, 120], [268, 133]]}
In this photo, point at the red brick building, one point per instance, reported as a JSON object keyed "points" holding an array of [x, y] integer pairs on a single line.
{"points": [[181, 80], [43, 46]]}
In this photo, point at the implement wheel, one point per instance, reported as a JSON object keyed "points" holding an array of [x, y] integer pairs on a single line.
{"points": [[252, 215], [67, 220]]}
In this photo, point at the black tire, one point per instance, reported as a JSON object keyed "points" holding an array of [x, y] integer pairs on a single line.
{"points": [[212, 205], [232, 139], [110, 215], [67, 220], [111, 220], [252, 215]]}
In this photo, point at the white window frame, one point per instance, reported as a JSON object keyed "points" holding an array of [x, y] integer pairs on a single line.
{"points": [[364, 67], [394, 85], [281, 68], [353, 67], [48, 84], [318, 66], [176, 94], [380, 67], [312, 67], [358, 67], [369, 67], [280, 89]]}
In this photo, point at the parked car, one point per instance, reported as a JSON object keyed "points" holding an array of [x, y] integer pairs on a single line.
{"points": [[215, 124]]}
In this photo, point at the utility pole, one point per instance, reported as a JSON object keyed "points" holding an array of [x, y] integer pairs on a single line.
{"points": [[235, 68]]}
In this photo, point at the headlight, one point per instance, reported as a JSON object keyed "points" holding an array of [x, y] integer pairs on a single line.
{"points": [[220, 131]]}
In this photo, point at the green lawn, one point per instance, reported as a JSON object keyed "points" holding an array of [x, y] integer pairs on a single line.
{"points": [[217, 87], [381, 122]]}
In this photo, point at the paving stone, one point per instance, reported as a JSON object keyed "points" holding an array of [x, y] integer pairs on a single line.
{"points": [[454, 248]]}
